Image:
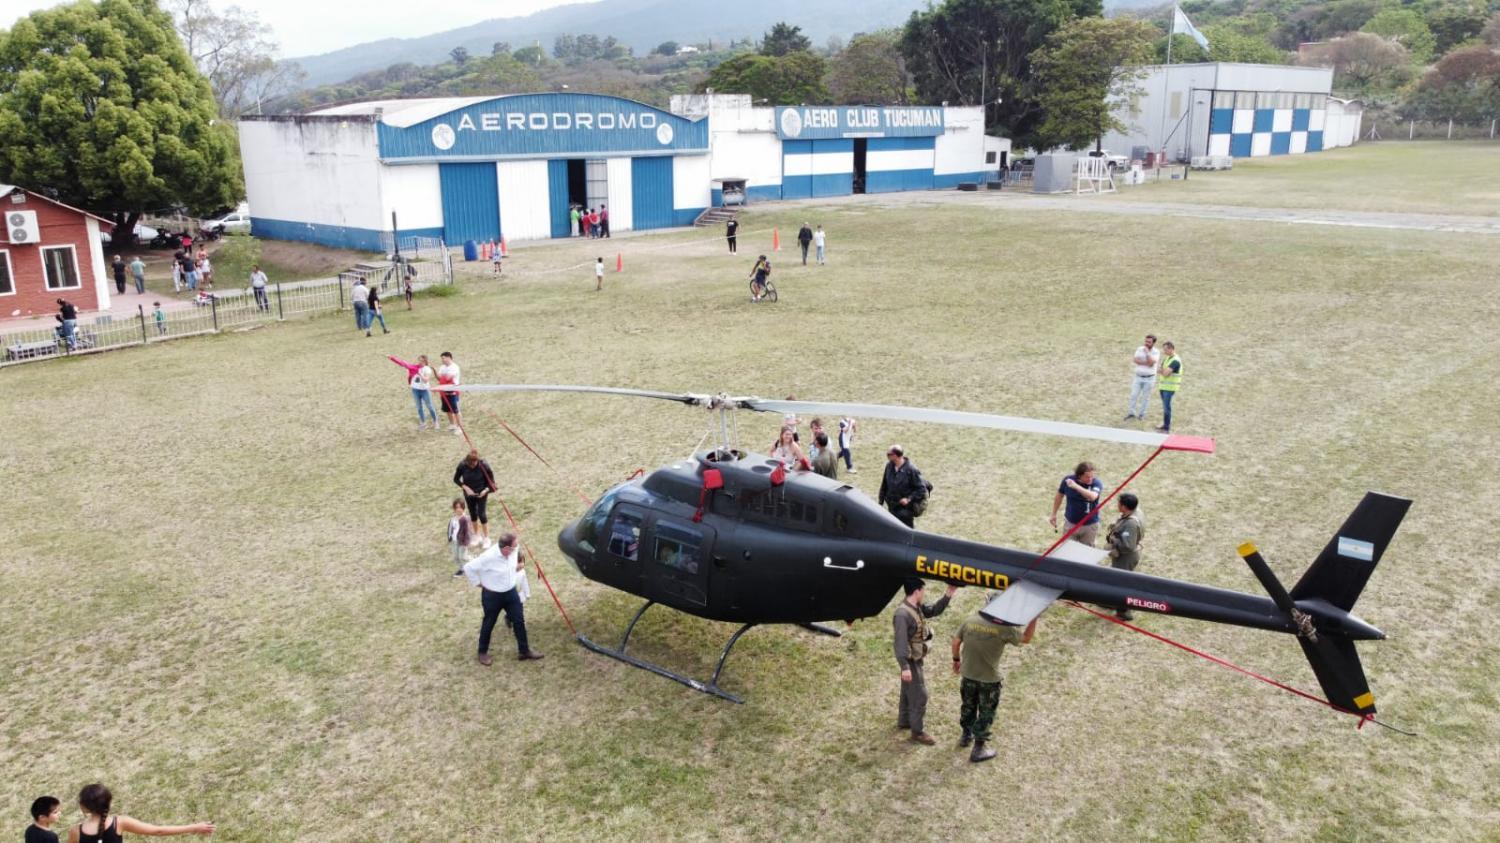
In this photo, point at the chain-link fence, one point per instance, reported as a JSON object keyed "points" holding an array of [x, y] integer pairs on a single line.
{"points": [[225, 310]]}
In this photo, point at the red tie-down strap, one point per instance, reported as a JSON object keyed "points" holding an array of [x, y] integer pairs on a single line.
{"points": [[712, 479]]}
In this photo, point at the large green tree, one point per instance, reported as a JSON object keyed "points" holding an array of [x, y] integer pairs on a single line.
{"points": [[972, 52], [101, 105], [1406, 28], [1087, 73], [784, 39], [792, 79], [869, 70]]}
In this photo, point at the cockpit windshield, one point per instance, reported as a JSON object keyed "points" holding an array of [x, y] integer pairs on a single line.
{"points": [[591, 525]]}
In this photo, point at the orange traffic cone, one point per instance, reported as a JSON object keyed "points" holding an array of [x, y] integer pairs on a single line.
{"points": [[504, 252], [484, 250], [619, 261], [775, 240]]}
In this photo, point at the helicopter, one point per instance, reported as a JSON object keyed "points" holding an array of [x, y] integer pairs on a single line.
{"points": [[732, 535]]}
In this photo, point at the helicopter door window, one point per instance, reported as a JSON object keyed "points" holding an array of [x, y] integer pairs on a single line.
{"points": [[625, 536], [591, 526], [677, 548]]}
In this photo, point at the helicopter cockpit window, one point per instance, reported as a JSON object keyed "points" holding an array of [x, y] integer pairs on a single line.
{"points": [[678, 547], [625, 536], [591, 526]]}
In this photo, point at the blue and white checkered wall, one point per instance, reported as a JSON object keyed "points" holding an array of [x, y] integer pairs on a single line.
{"points": [[1258, 132]]}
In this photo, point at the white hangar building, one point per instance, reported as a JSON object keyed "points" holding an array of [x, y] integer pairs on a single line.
{"points": [[1234, 109], [479, 168]]}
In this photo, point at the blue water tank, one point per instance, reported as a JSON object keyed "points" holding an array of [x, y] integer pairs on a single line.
{"points": [[471, 250]]}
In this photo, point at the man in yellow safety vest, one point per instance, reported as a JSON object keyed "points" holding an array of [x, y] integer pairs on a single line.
{"points": [[1168, 380]]}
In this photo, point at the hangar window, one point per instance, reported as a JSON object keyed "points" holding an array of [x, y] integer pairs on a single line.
{"points": [[1176, 105], [1223, 99], [7, 286], [1244, 99], [61, 264]]}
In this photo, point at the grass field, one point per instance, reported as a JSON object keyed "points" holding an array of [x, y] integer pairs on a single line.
{"points": [[225, 590], [1426, 177]]}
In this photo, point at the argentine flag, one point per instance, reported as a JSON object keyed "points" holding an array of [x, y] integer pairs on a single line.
{"points": [[1180, 23]]}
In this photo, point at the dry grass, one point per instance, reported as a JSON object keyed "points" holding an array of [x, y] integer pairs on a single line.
{"points": [[1426, 177], [226, 594]]}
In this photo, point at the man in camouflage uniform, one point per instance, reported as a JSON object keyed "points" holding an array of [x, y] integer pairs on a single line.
{"points": [[1124, 540], [976, 657], [911, 640]]}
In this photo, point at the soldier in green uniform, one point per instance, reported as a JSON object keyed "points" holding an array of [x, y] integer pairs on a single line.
{"points": [[911, 640], [1124, 539], [977, 647]]}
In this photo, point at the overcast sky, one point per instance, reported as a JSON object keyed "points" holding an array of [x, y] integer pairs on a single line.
{"points": [[308, 28]]}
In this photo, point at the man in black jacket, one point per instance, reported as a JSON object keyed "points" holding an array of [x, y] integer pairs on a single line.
{"points": [[902, 489], [804, 237]]}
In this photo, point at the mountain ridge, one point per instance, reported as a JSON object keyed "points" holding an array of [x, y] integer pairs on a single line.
{"points": [[640, 24]]}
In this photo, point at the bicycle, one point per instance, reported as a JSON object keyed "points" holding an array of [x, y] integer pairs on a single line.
{"points": [[767, 294]]}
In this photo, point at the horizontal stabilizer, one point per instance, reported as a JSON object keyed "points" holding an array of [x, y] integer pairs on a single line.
{"points": [[1021, 603], [1079, 552]]}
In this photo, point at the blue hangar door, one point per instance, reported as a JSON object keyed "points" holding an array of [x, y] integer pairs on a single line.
{"points": [[471, 202], [651, 192]]}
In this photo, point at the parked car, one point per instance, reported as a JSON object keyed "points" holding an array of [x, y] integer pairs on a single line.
{"points": [[143, 234], [235, 223], [1116, 162]]}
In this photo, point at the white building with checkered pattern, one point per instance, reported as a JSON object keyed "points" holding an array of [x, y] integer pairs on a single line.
{"points": [[1239, 110]]}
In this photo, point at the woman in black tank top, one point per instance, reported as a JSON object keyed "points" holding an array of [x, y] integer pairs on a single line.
{"points": [[95, 801]]}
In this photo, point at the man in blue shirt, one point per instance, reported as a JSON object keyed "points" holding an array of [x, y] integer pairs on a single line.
{"points": [[1082, 490]]}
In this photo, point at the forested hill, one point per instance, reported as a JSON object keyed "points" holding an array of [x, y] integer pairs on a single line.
{"points": [[638, 24]]}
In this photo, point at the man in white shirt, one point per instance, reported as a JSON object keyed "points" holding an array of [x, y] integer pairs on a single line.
{"points": [[359, 294], [495, 573], [1145, 359], [448, 374]]}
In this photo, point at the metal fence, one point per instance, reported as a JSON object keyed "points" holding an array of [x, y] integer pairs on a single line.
{"points": [[1390, 129], [223, 310]]}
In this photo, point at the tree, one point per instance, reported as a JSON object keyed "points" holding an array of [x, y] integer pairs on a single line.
{"points": [[1406, 28], [1226, 43], [1464, 85], [666, 48], [1491, 33], [869, 70], [533, 55], [565, 47], [791, 79], [236, 51], [784, 39], [1361, 62], [101, 106], [969, 52], [1454, 24], [460, 55], [500, 48], [1086, 73]]}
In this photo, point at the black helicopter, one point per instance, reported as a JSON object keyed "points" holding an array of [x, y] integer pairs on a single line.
{"points": [[730, 535]]}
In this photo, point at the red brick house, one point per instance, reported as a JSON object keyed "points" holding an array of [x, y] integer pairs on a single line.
{"points": [[49, 251]]}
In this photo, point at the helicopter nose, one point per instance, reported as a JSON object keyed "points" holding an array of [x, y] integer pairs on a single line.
{"points": [[567, 542]]}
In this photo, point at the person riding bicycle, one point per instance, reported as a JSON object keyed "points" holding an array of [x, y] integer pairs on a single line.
{"points": [[758, 276]]}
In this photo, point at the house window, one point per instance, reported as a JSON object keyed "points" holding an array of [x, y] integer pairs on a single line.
{"points": [[61, 265], [7, 285]]}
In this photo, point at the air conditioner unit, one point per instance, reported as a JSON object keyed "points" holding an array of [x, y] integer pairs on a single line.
{"points": [[21, 227]]}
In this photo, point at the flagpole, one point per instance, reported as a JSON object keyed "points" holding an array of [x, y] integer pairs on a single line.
{"points": [[1161, 145]]}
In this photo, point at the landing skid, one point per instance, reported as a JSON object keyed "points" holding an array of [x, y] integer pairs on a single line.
{"points": [[710, 687]]}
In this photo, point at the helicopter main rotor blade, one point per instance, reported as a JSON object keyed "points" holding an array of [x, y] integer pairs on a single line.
{"points": [[1168, 441], [681, 398]]}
